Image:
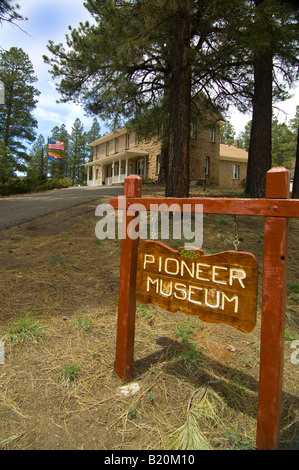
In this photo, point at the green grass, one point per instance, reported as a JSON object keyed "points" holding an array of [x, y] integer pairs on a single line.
{"points": [[142, 311], [132, 411], [84, 323], [289, 335], [185, 332], [293, 287], [64, 236], [26, 328], [58, 260], [70, 372]]}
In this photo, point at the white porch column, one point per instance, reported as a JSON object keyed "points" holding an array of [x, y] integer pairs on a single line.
{"points": [[101, 178], [113, 167], [87, 174], [127, 167], [119, 169]]}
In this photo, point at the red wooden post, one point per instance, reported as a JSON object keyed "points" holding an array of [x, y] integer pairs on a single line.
{"points": [[124, 356], [273, 316]]}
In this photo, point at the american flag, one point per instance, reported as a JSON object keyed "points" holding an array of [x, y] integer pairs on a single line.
{"points": [[55, 144]]}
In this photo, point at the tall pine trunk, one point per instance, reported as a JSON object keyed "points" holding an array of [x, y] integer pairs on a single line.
{"points": [[164, 163], [259, 154], [177, 178]]}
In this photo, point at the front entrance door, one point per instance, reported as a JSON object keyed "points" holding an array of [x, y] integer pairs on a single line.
{"points": [[140, 168]]}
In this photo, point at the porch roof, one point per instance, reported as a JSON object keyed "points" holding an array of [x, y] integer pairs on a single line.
{"points": [[132, 152]]}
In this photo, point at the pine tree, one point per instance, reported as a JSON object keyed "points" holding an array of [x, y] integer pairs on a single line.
{"points": [[167, 54], [152, 61], [227, 134], [273, 40], [6, 164], [295, 128], [17, 123], [38, 158], [244, 137], [78, 152], [91, 135], [283, 144], [9, 13]]}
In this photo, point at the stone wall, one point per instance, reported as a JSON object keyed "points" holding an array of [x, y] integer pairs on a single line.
{"points": [[203, 147], [225, 174]]}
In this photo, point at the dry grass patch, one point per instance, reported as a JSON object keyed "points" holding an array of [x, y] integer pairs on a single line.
{"points": [[196, 382]]}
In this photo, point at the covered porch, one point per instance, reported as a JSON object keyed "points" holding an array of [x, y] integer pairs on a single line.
{"points": [[115, 168]]}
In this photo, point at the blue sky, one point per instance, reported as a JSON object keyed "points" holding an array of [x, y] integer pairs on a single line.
{"points": [[49, 19]]}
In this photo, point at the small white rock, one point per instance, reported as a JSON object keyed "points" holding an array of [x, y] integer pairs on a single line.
{"points": [[128, 390]]}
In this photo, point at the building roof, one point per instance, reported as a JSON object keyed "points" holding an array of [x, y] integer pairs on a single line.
{"points": [[109, 136], [233, 153]]}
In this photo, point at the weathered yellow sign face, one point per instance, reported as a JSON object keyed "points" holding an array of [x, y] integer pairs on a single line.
{"points": [[218, 288]]}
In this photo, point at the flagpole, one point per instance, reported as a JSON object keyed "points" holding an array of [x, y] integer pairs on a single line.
{"points": [[42, 163], [47, 159]]}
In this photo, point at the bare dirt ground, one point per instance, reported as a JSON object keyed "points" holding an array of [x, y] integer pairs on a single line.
{"points": [[56, 269]]}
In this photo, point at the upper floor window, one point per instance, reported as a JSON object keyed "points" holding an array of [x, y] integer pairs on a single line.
{"points": [[193, 130], [158, 164], [127, 140], [116, 145], [107, 147], [212, 134], [235, 172]]}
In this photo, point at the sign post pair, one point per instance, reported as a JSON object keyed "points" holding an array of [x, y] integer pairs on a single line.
{"points": [[217, 288]]}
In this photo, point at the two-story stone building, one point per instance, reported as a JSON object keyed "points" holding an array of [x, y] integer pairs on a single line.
{"points": [[121, 153]]}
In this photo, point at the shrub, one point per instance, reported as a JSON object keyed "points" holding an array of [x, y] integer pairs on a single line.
{"points": [[32, 184], [25, 329]]}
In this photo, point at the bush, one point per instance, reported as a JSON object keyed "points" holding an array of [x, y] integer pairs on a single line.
{"points": [[57, 183], [32, 184], [15, 187]]}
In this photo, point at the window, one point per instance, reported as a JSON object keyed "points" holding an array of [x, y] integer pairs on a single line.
{"points": [[107, 148], [207, 166], [116, 145], [127, 141], [158, 164], [193, 130], [235, 172], [140, 168], [212, 134]]}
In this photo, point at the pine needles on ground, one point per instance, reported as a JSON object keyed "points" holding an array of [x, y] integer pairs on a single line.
{"points": [[203, 412]]}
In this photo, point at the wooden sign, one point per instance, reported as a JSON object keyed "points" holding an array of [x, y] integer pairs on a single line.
{"points": [[218, 288]]}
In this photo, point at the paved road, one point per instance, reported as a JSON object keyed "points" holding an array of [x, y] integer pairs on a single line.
{"points": [[17, 210]]}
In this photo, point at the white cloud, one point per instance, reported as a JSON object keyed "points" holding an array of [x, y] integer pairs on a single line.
{"points": [[47, 19]]}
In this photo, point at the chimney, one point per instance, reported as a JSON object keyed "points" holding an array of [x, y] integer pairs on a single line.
{"points": [[236, 143]]}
